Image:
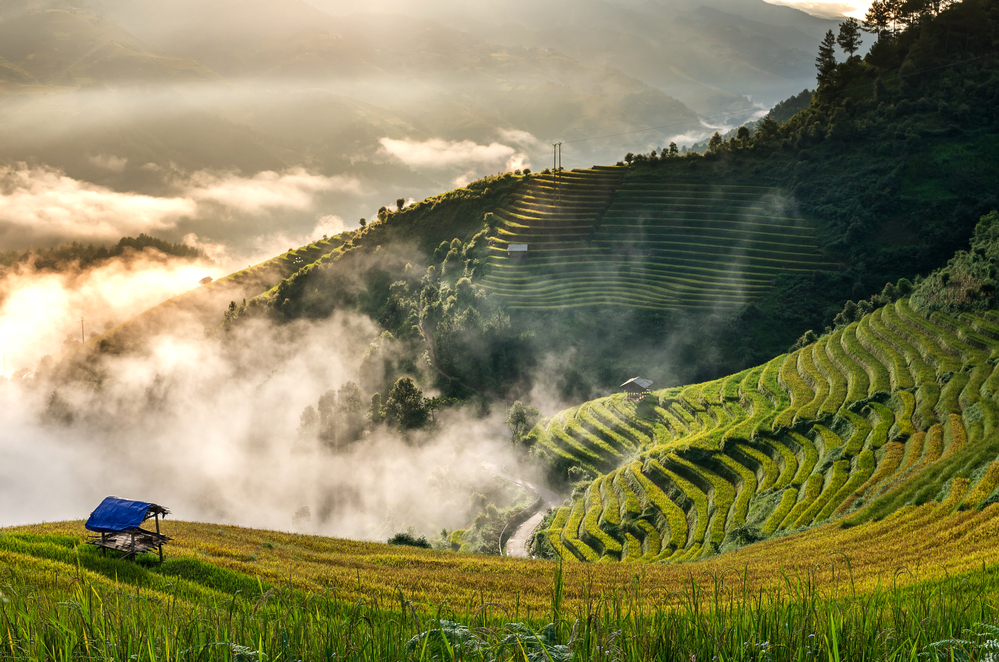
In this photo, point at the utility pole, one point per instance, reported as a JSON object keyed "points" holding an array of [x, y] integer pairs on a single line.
{"points": [[554, 175], [558, 187], [83, 338], [557, 172]]}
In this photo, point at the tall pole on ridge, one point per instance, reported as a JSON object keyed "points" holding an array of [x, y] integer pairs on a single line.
{"points": [[554, 174], [556, 171]]}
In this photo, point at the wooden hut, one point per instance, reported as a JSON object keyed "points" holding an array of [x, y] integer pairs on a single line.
{"points": [[119, 523], [636, 387]]}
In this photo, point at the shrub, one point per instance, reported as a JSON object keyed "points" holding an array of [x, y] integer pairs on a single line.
{"points": [[407, 538]]}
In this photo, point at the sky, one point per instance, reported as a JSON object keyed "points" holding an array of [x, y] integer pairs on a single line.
{"points": [[827, 7]]}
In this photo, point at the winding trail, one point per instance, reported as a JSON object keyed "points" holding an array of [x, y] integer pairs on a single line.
{"points": [[516, 544]]}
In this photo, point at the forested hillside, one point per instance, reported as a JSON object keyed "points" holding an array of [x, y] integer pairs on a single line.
{"points": [[752, 244]]}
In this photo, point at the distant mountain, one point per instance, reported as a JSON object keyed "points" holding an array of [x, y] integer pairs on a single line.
{"points": [[66, 47], [173, 89], [710, 53]]}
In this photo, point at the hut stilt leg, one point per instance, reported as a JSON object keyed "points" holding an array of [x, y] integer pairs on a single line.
{"points": [[157, 517]]}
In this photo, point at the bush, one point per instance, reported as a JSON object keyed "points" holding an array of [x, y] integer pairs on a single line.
{"points": [[407, 538]]}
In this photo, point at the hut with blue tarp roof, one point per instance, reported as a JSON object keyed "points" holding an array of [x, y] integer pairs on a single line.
{"points": [[119, 521]]}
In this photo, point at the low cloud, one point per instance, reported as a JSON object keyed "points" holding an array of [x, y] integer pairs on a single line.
{"points": [[827, 8], [521, 138], [216, 251], [211, 432], [43, 204], [328, 225], [446, 154], [264, 246], [38, 310], [109, 162], [294, 189]]}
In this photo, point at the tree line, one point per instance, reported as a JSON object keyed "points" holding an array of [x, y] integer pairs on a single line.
{"points": [[77, 255]]}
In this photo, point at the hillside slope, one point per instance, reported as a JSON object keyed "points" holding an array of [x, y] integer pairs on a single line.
{"points": [[893, 410], [244, 594], [696, 266], [595, 238]]}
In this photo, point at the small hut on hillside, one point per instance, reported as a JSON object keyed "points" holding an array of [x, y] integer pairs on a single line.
{"points": [[516, 251], [636, 387], [119, 523]]}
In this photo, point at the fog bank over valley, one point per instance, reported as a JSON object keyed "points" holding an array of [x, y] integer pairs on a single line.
{"points": [[211, 430]]}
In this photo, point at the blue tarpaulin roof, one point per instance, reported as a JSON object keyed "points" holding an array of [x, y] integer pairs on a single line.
{"points": [[116, 514]]}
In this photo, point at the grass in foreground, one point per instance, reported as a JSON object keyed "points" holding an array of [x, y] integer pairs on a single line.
{"points": [[889, 590]]}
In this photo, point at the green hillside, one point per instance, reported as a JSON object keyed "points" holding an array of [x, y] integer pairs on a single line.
{"points": [[692, 266], [599, 239], [893, 410]]}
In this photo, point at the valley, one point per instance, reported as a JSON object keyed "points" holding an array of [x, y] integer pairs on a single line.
{"points": [[704, 393]]}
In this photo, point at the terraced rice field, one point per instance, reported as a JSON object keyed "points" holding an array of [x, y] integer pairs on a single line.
{"points": [[602, 239], [894, 410]]}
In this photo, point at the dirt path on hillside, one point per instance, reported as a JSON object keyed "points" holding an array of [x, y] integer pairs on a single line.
{"points": [[516, 544]]}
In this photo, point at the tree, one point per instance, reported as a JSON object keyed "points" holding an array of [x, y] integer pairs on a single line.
{"points": [[893, 8], [433, 404], [375, 412], [715, 143], [673, 151], [826, 60], [878, 18], [364, 222], [404, 407], [807, 338], [520, 418], [849, 36], [767, 128], [742, 135], [400, 203], [308, 420], [629, 157], [350, 414], [847, 316], [327, 403]]}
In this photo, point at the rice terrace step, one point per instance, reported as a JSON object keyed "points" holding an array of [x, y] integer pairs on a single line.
{"points": [[595, 238], [882, 412]]}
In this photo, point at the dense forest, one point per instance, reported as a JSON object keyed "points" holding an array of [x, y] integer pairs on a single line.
{"points": [[895, 157]]}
